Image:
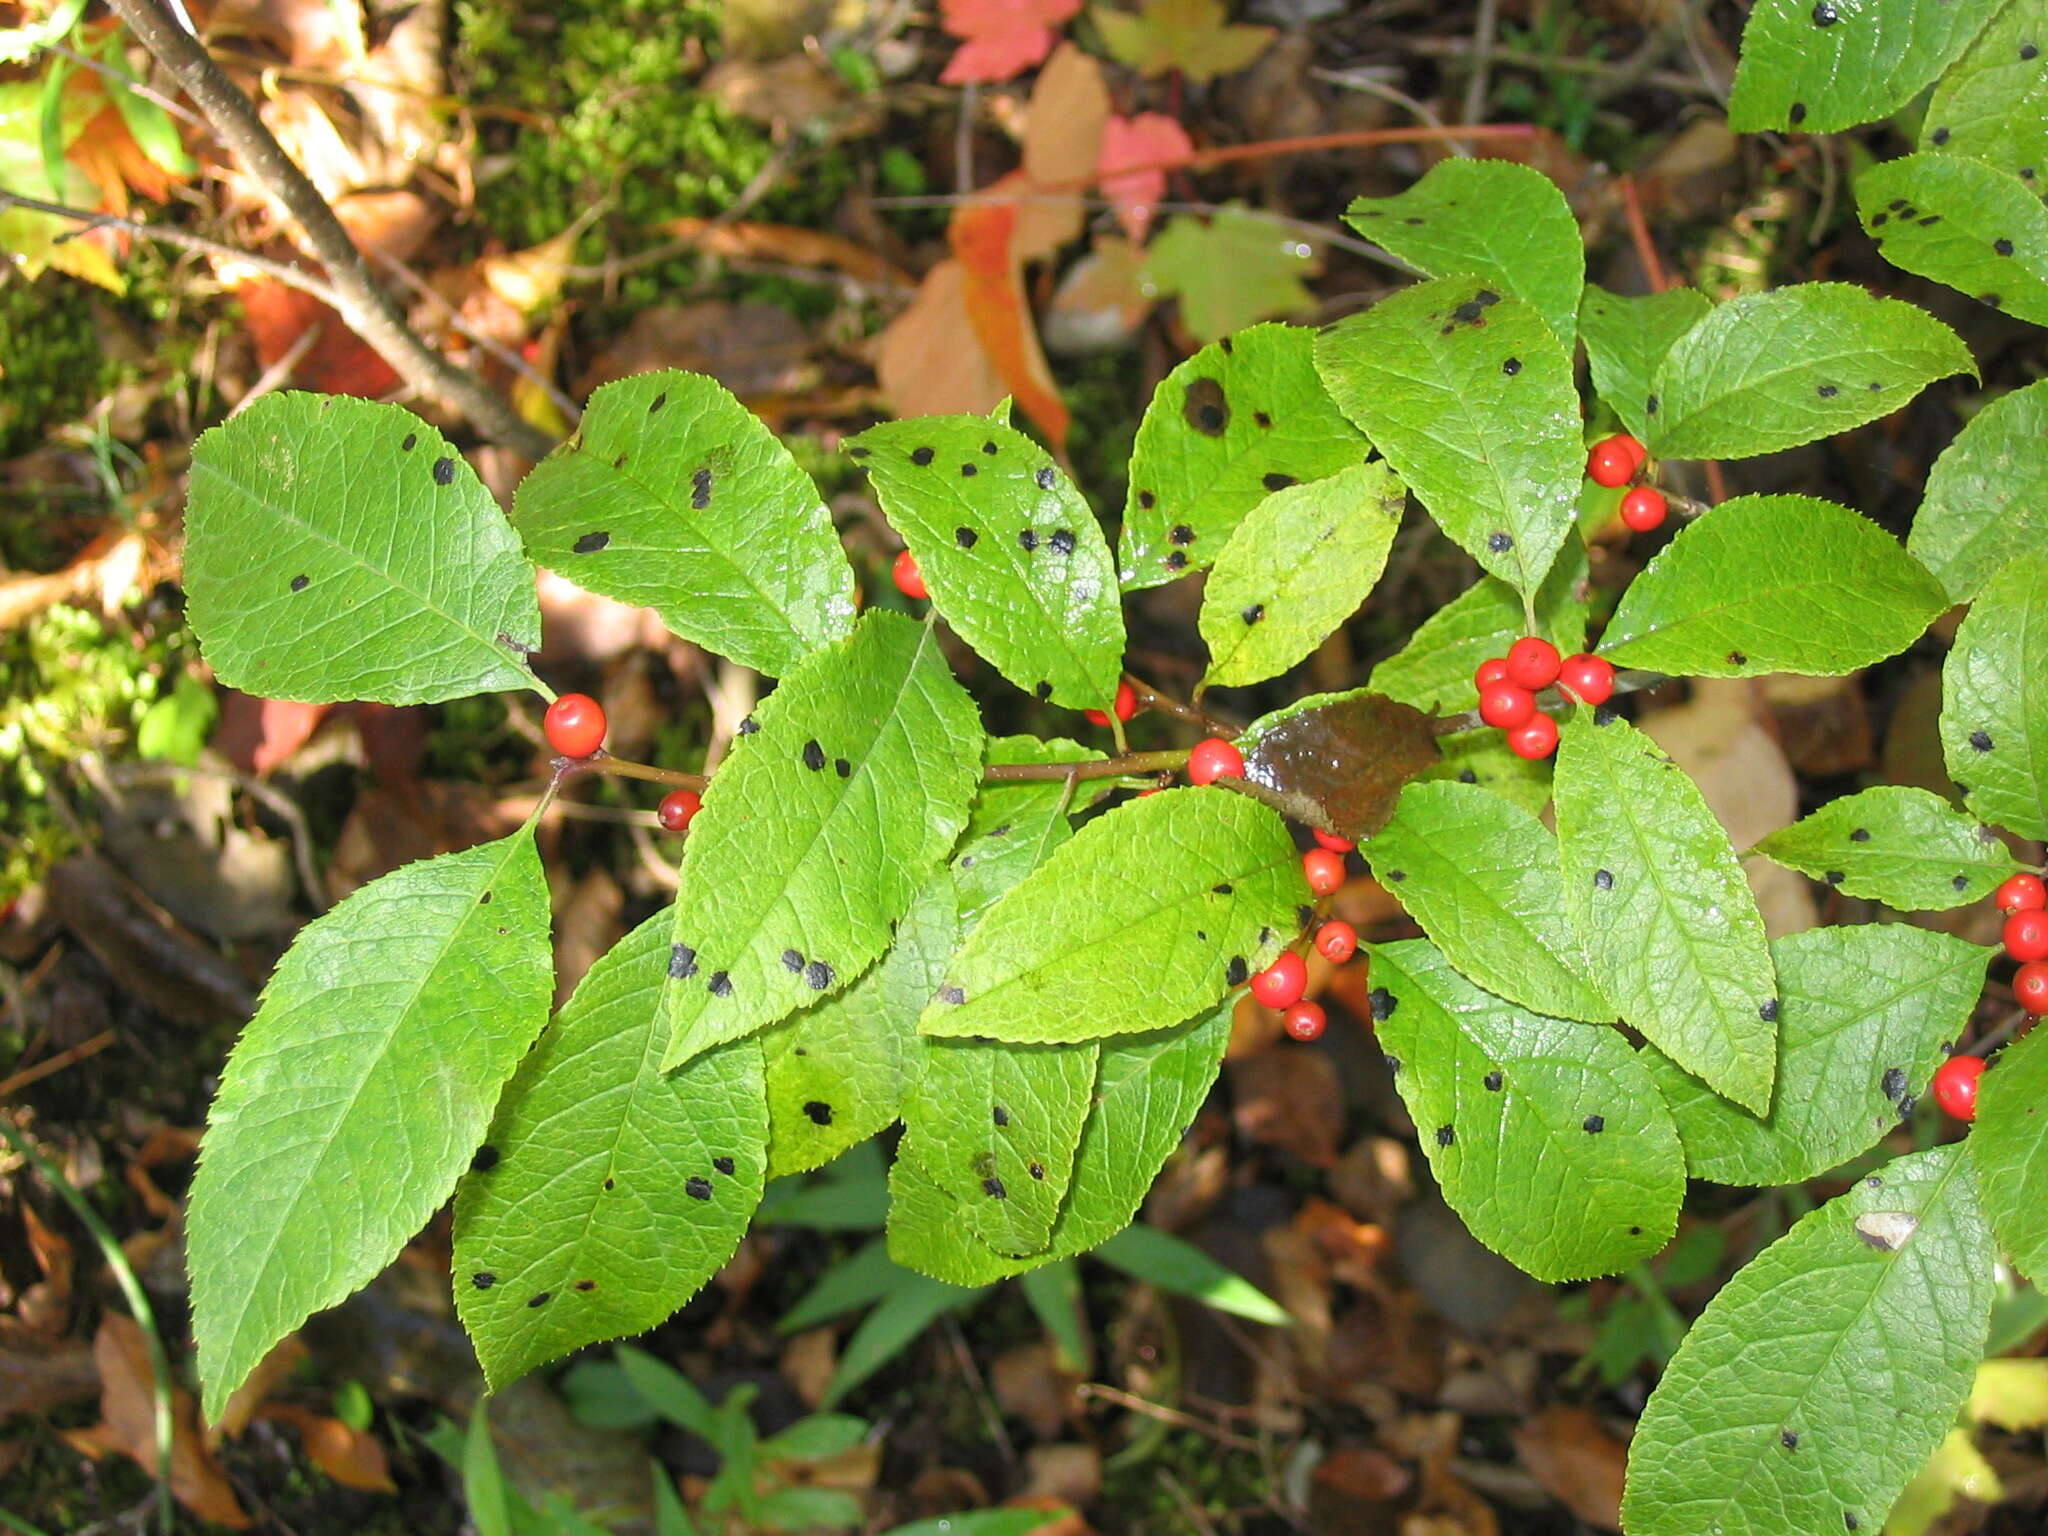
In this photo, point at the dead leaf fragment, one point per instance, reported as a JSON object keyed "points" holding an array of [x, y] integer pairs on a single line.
{"points": [[352, 1457], [1580, 1464]]}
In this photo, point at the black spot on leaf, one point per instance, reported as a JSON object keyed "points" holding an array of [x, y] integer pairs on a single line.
{"points": [[1397, 875], [1850, 1522], [1603, 879], [444, 471], [953, 995], [1650, 405], [993, 1188], [1254, 613], [1393, 1064], [1176, 561], [1961, 882], [1382, 1004], [1500, 542], [1767, 1010], [486, 1158], [1824, 14], [813, 755], [1594, 1124], [1511, 366], [1789, 1439], [1262, 419], [1223, 888], [921, 456], [697, 1187], [720, 984], [1835, 877], [724, 1165], [1798, 113], [1147, 500], [1180, 533], [1981, 740], [299, 583], [1038, 1170], [539, 1298], [682, 962], [1828, 391], [989, 449], [749, 725], [412, 441], [1205, 409], [1000, 1115], [1045, 479], [969, 470], [2028, 52], [1062, 541], [657, 402], [1606, 714], [1992, 299], [1939, 136], [842, 767], [700, 489], [818, 1112], [483, 1280], [1493, 1081], [965, 537], [1893, 1083], [1027, 539], [591, 543], [586, 1285], [1860, 835], [818, 976], [1878, 221], [1277, 481], [858, 453], [1445, 1135], [792, 961], [1043, 691], [1237, 971], [1737, 659], [484, 900]]}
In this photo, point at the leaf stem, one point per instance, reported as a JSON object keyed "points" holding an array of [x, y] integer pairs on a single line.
{"points": [[1151, 698], [1130, 765]]}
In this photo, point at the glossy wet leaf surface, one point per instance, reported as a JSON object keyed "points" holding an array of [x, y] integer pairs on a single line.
{"points": [[1819, 1378], [611, 1189], [1907, 848], [1773, 584], [1467, 393], [1671, 932], [1545, 1135], [1339, 760], [674, 495], [818, 831], [1820, 68], [1233, 417], [342, 549], [1864, 1012]]}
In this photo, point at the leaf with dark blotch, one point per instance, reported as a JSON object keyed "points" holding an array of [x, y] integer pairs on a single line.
{"points": [[1339, 760]]}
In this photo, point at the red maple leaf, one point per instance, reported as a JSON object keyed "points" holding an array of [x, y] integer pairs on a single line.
{"points": [[1150, 141], [1000, 39]]}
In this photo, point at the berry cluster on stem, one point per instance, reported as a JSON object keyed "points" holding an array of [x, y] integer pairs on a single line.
{"points": [[1613, 462], [1508, 686]]}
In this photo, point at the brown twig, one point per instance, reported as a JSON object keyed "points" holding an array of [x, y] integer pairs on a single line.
{"points": [[168, 234], [10, 1086], [1151, 698], [1164, 1414], [369, 311]]}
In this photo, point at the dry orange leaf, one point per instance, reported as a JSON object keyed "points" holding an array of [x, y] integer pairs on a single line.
{"points": [[1577, 1461], [788, 243], [982, 233], [352, 1457], [128, 1425], [335, 362], [242, 1406], [1063, 129]]}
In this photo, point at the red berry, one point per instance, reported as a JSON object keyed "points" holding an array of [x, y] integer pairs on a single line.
{"points": [[1643, 508], [1610, 463], [677, 808], [1213, 759], [1536, 740], [1636, 452], [1491, 671], [1337, 941], [1323, 870], [1955, 1086], [2030, 986], [2022, 893], [1304, 1021], [2026, 935], [909, 579], [1332, 841], [1589, 679], [575, 725], [1126, 706], [1533, 663], [1506, 706], [1282, 982]]}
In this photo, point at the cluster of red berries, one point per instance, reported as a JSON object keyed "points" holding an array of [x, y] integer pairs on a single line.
{"points": [[1508, 686], [2024, 901], [1616, 460], [575, 727], [1281, 984]]}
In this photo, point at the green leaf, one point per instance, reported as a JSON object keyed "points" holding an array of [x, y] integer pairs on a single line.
{"points": [[1480, 874], [1671, 933], [1012, 827], [1237, 266], [2010, 1146], [1547, 1136], [1338, 761], [995, 1126], [1014, 559], [1148, 1089], [1962, 223], [1191, 37], [1773, 370], [1994, 712], [818, 832], [1992, 104], [483, 1480], [175, 728], [1482, 757], [1904, 847], [1824, 67], [342, 549], [816, 1437], [383, 1041], [837, 1071], [1054, 1294], [670, 1393], [1626, 338], [1773, 584], [1469, 396], [984, 1522], [851, 1284], [916, 1303], [1491, 219], [1161, 1259], [670, 1518], [1233, 417], [1987, 494], [1819, 1378], [1079, 950], [1865, 1012], [809, 1509], [1297, 567], [1433, 671], [674, 495], [610, 1188]]}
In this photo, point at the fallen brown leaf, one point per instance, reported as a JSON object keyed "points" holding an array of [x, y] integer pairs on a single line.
{"points": [[1569, 1451], [1289, 1099], [1063, 130], [923, 368], [353, 1458], [752, 349], [792, 244], [38, 1374], [45, 1307], [271, 1371], [128, 1425], [107, 570]]}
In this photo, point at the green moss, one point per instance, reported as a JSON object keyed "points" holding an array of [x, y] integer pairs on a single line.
{"points": [[1217, 1479], [54, 364]]}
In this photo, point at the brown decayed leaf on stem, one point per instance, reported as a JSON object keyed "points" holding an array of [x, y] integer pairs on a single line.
{"points": [[1578, 1462], [1000, 38], [352, 1457], [1341, 766], [128, 1425]]}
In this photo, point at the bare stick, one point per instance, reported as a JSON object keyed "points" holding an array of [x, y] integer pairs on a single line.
{"points": [[370, 312], [167, 234]]}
